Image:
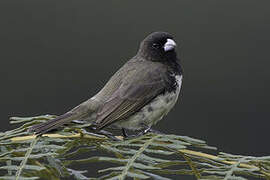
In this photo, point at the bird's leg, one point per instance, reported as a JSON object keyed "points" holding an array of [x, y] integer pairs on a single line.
{"points": [[126, 136], [124, 132], [145, 129], [148, 129], [102, 132]]}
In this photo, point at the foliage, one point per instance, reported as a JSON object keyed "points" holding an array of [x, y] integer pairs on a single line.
{"points": [[151, 156]]}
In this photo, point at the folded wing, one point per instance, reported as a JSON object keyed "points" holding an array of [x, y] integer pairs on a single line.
{"points": [[138, 88]]}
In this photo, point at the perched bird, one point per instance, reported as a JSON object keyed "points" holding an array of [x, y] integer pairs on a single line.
{"points": [[137, 96]]}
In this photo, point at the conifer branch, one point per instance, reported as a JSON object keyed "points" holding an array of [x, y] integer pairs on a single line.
{"points": [[29, 157]]}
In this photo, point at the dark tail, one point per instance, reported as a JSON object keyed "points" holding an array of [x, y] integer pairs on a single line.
{"points": [[52, 124], [79, 112]]}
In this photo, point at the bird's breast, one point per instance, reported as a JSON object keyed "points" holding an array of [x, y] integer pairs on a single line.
{"points": [[154, 111]]}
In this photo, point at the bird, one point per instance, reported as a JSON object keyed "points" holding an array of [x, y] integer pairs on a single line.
{"points": [[137, 96]]}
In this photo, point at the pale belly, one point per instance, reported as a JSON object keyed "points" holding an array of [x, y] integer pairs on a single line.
{"points": [[152, 112]]}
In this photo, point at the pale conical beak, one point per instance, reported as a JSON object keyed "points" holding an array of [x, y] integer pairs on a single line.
{"points": [[169, 45]]}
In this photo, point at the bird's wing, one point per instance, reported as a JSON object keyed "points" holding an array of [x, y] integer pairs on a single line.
{"points": [[146, 83]]}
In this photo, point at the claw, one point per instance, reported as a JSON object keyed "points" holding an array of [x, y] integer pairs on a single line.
{"points": [[125, 135]]}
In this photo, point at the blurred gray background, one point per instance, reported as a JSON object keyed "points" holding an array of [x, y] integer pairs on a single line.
{"points": [[56, 54]]}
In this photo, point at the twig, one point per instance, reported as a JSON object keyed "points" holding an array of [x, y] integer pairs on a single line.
{"points": [[24, 161], [185, 151], [77, 135], [135, 156], [192, 166], [216, 158]]}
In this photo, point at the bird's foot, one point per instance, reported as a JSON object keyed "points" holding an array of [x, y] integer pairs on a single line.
{"points": [[141, 133], [103, 132], [148, 129], [129, 136], [124, 132]]}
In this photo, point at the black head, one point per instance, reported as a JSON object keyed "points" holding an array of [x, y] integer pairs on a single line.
{"points": [[158, 46]]}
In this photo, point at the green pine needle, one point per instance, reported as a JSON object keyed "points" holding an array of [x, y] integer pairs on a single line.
{"points": [[24, 156]]}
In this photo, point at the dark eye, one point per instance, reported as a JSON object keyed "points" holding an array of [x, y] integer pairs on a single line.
{"points": [[156, 46]]}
